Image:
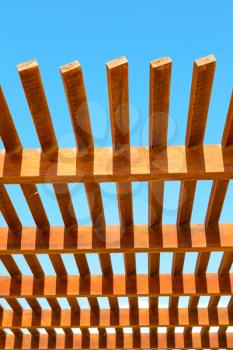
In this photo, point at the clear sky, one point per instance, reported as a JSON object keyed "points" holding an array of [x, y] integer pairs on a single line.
{"points": [[58, 32]]}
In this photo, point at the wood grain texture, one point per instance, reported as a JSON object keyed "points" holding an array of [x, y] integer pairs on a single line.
{"points": [[208, 162], [202, 81], [123, 164], [120, 285], [117, 74], [105, 318], [80, 241], [8, 132], [34, 91], [119, 341]]}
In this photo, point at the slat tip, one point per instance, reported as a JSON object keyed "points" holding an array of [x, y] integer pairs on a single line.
{"points": [[27, 65], [117, 62], [202, 61], [161, 62], [70, 66]]}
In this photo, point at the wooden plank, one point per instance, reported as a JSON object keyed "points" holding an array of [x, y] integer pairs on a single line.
{"points": [[160, 78], [8, 131], [92, 341], [227, 138], [117, 73], [120, 285], [8, 211], [40, 217], [36, 207], [105, 318], [202, 81], [77, 101], [33, 87], [11, 217], [226, 263], [66, 207], [78, 106], [218, 194], [69, 217], [185, 205], [193, 238], [11, 266], [34, 265], [208, 162]]}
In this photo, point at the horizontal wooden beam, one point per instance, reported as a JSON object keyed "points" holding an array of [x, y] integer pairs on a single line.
{"points": [[117, 285], [166, 163], [189, 341], [167, 237], [161, 317]]}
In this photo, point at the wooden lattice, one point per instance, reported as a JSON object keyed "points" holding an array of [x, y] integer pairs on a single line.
{"points": [[123, 164]]}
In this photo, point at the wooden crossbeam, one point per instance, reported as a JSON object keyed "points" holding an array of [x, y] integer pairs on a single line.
{"points": [[81, 240], [112, 341], [120, 285], [106, 318], [206, 162]]}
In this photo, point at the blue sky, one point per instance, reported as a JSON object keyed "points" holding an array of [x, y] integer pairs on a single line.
{"points": [[58, 32]]}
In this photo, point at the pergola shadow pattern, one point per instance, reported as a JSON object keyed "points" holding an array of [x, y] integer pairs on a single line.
{"points": [[122, 164]]}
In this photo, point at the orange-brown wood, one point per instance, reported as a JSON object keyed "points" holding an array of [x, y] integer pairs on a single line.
{"points": [[208, 162], [127, 341], [123, 164], [160, 77], [105, 318], [120, 285], [81, 240], [8, 132], [33, 87]]}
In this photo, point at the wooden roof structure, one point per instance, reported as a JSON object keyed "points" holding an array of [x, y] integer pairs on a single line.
{"points": [[122, 164]]}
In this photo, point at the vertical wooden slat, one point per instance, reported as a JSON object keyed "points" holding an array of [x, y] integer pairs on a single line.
{"points": [[34, 91], [160, 81], [202, 81], [11, 217], [34, 305], [74, 305], [34, 265], [12, 143], [35, 204], [217, 197], [8, 131], [33, 87], [227, 138], [77, 101], [35, 338], [39, 215], [15, 305], [18, 338], [11, 266], [117, 74], [65, 204]]}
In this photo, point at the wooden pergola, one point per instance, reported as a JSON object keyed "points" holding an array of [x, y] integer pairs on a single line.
{"points": [[122, 164]]}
